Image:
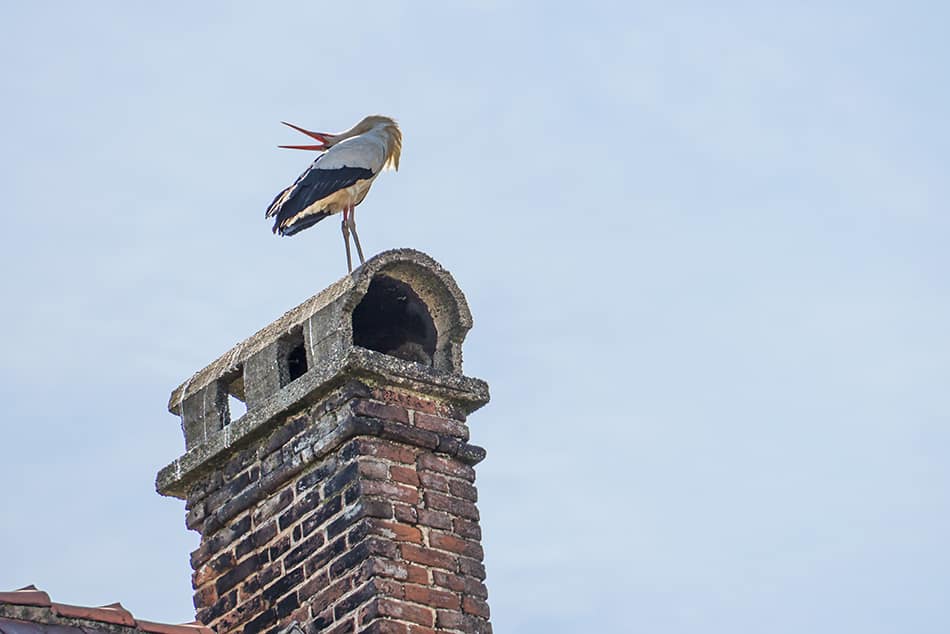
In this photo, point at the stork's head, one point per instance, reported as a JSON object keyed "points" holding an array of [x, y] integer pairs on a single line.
{"points": [[390, 132], [385, 126]]}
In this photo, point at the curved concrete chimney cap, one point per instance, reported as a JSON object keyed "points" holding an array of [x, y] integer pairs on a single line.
{"points": [[401, 303]]}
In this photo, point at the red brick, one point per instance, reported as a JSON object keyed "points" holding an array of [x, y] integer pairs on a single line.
{"points": [[440, 425], [434, 481], [382, 626], [202, 576], [449, 619], [348, 605], [382, 567], [315, 583], [321, 620], [270, 572], [428, 557], [320, 596], [406, 612], [472, 568], [378, 508], [418, 629], [241, 614], [205, 596], [435, 519], [417, 574], [432, 597], [222, 606], [453, 505], [346, 626], [475, 606], [373, 469], [391, 491], [223, 562], [476, 588], [406, 475], [396, 531], [383, 547], [448, 580], [449, 466], [408, 401], [200, 555], [405, 513], [301, 614], [382, 411], [387, 450], [278, 547], [238, 574], [265, 533], [467, 528], [410, 435], [447, 541], [464, 490], [389, 588], [272, 505], [401, 570]]}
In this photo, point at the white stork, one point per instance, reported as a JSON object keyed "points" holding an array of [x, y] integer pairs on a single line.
{"points": [[339, 179]]}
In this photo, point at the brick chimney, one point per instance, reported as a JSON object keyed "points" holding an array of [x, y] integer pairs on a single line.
{"points": [[343, 499]]}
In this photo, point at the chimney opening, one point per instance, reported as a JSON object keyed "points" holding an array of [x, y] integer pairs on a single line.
{"points": [[392, 319], [297, 361], [234, 386], [293, 357], [236, 408]]}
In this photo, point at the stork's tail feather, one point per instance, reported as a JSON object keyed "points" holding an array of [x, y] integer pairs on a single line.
{"points": [[278, 201], [299, 225]]}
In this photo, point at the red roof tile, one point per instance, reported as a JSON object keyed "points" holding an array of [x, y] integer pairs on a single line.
{"points": [[164, 628], [27, 595], [114, 613]]}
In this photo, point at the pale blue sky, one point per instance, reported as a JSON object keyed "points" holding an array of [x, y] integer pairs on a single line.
{"points": [[705, 247]]}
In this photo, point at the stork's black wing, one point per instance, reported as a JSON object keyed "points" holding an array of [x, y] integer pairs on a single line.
{"points": [[294, 208]]}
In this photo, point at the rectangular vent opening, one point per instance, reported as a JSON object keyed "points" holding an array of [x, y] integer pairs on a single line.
{"points": [[236, 408], [234, 386], [292, 357]]}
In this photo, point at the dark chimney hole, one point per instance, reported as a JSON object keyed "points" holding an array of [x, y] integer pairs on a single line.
{"points": [[297, 362], [293, 356], [393, 320]]}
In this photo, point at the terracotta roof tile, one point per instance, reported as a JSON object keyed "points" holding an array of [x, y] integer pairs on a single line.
{"points": [[113, 614], [164, 628], [27, 595]]}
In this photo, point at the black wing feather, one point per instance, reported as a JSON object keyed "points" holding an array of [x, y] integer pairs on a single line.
{"points": [[312, 186]]}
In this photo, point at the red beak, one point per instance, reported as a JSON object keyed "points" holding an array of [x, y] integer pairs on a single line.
{"points": [[325, 139]]}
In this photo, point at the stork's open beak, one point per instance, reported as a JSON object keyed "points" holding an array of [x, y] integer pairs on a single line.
{"points": [[326, 140]]}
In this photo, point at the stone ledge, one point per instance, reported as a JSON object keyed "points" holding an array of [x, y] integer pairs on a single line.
{"points": [[373, 367]]}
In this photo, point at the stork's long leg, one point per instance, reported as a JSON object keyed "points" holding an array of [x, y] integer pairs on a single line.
{"points": [[346, 241], [356, 237]]}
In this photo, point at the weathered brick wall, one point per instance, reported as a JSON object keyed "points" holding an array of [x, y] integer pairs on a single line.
{"points": [[355, 515]]}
